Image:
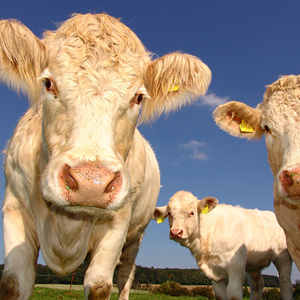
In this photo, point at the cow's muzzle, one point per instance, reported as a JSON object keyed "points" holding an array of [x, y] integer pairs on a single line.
{"points": [[89, 184], [290, 183]]}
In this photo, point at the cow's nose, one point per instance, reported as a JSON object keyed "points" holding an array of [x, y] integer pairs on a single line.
{"points": [[90, 184], [176, 233], [290, 182]]}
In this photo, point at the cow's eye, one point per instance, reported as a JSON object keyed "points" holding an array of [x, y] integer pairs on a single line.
{"points": [[267, 129], [49, 84], [137, 99], [191, 213]]}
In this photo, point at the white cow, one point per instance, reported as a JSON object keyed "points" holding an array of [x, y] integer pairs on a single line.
{"points": [[82, 182], [277, 117], [227, 241]]}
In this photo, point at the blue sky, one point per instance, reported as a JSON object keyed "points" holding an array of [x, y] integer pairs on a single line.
{"points": [[246, 44]]}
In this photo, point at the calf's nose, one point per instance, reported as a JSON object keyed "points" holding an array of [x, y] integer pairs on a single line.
{"points": [[89, 184], [290, 182], [176, 233]]}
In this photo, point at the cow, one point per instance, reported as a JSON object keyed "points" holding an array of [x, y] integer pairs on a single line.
{"points": [[81, 181], [277, 117], [227, 241]]}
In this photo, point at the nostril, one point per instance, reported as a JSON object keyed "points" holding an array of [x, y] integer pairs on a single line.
{"points": [[110, 187], [114, 183], [286, 179], [69, 180]]}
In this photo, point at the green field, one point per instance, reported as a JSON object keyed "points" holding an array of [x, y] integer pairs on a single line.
{"points": [[53, 294]]}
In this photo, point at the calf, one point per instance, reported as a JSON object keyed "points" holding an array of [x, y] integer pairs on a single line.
{"points": [[277, 117], [227, 241], [82, 182]]}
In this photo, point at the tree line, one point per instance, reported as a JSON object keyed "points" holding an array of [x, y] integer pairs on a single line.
{"points": [[143, 275]]}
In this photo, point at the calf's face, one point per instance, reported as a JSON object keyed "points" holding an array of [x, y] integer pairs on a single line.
{"points": [[183, 211]]}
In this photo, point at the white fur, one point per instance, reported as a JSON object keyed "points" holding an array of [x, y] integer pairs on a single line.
{"points": [[277, 117], [98, 79], [227, 241]]}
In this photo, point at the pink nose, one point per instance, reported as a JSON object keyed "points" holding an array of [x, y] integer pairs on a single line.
{"points": [[290, 182], [89, 184], [176, 233]]}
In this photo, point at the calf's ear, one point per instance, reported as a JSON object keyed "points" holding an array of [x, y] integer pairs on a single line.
{"points": [[239, 119], [160, 212], [22, 58], [207, 204], [172, 81]]}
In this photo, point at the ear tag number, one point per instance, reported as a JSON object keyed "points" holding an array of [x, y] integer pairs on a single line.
{"points": [[160, 219], [245, 127], [205, 210]]}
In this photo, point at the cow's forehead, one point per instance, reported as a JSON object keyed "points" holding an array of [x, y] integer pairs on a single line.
{"points": [[182, 201], [282, 97], [96, 43]]}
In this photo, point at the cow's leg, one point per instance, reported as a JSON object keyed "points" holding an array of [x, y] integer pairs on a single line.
{"points": [[21, 252], [219, 289], [284, 267], [126, 269], [236, 271], [103, 261], [257, 284]]}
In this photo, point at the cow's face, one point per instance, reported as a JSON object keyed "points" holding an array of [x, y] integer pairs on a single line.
{"points": [[87, 133], [183, 211], [92, 97], [98, 77], [277, 117]]}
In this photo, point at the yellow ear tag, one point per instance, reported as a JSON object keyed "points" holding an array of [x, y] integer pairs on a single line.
{"points": [[175, 87], [245, 127], [160, 220], [205, 210]]}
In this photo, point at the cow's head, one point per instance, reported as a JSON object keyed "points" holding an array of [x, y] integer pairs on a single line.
{"points": [[183, 211], [278, 118], [90, 80]]}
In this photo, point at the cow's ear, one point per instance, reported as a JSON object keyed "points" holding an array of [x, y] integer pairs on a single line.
{"points": [[239, 119], [207, 204], [22, 58], [172, 81], [160, 213]]}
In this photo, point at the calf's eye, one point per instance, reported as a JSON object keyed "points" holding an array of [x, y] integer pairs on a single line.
{"points": [[191, 213]]}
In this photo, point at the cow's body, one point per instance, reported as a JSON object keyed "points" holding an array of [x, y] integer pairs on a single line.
{"points": [[277, 117], [227, 241], [82, 182]]}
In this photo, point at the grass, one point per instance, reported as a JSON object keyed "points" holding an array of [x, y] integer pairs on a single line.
{"points": [[53, 294]]}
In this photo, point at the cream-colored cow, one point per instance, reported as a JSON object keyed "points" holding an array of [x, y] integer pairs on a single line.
{"points": [[82, 182], [278, 118], [227, 241]]}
